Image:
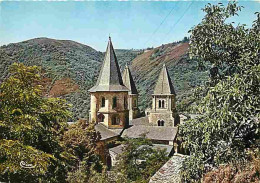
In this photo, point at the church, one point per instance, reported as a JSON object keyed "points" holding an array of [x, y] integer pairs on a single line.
{"points": [[114, 107]]}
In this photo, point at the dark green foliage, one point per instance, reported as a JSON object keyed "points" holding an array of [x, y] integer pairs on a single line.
{"points": [[139, 161], [30, 127], [229, 102], [81, 140]]}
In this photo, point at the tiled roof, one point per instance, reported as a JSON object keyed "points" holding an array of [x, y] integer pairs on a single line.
{"points": [[141, 121], [128, 81], [107, 133], [119, 149], [110, 78], [169, 172], [151, 132], [164, 84]]}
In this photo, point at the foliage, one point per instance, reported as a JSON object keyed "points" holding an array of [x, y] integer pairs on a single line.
{"points": [[29, 129], [82, 141], [229, 102], [139, 161]]}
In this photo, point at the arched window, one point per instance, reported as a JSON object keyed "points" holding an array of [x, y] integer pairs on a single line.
{"points": [[125, 102], [163, 104], [160, 123], [103, 102], [114, 102], [160, 104], [101, 117], [115, 120], [135, 103]]}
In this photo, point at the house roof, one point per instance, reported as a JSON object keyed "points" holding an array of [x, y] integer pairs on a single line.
{"points": [[151, 132], [107, 133], [110, 78], [169, 172], [164, 84], [141, 121], [128, 81], [119, 149]]}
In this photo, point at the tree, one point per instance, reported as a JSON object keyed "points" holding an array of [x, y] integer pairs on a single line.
{"points": [[229, 102], [82, 141], [139, 161], [30, 126]]}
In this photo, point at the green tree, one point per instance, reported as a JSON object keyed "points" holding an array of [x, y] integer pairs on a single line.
{"points": [[30, 126], [229, 102], [139, 161], [82, 141]]}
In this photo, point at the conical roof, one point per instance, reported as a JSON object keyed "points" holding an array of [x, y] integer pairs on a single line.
{"points": [[128, 81], [110, 78], [164, 84]]}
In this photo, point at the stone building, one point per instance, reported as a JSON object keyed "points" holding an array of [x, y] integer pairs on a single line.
{"points": [[132, 94], [109, 97], [114, 107], [163, 112]]}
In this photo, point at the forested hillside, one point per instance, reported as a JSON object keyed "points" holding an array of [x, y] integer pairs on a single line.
{"points": [[71, 68], [183, 71]]}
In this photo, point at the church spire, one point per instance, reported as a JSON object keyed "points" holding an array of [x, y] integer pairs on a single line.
{"points": [[110, 78], [164, 84], [128, 81]]}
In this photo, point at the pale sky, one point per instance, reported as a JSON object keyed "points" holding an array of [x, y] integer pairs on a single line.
{"points": [[131, 24]]}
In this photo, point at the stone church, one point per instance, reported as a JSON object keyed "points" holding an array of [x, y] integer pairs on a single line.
{"points": [[114, 106]]}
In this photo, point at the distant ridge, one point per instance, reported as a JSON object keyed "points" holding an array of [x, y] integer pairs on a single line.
{"points": [[71, 68]]}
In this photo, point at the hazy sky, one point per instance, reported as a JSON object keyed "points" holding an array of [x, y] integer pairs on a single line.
{"points": [[135, 24]]}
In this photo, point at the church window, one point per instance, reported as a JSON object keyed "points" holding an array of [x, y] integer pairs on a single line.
{"points": [[125, 102], [135, 103], [160, 104], [103, 102], [101, 118], [114, 102], [115, 120], [160, 123], [163, 106]]}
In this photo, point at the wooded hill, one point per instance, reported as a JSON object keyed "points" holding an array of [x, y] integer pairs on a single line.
{"points": [[71, 68]]}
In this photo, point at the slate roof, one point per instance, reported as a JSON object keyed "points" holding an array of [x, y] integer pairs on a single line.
{"points": [[110, 78], [107, 133], [141, 121], [119, 149], [164, 84], [152, 132], [128, 81], [169, 172]]}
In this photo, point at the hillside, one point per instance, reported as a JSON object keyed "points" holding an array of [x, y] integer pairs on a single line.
{"points": [[72, 68], [183, 71]]}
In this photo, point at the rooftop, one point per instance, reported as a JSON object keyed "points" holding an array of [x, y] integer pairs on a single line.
{"points": [[169, 172], [107, 133], [164, 84], [151, 132], [110, 78]]}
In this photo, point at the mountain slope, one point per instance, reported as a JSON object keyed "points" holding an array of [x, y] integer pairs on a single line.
{"points": [[70, 68], [183, 71]]}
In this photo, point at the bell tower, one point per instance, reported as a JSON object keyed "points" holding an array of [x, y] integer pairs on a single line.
{"points": [[163, 112], [109, 95], [132, 102]]}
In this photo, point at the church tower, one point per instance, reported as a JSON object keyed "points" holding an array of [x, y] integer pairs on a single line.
{"points": [[163, 112], [109, 95], [132, 94]]}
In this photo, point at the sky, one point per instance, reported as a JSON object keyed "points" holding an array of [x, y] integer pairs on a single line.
{"points": [[131, 24]]}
